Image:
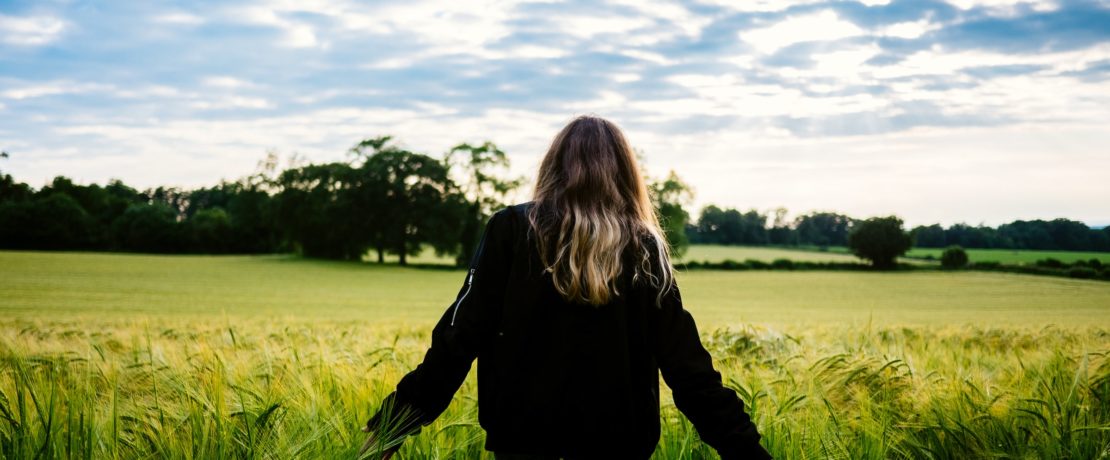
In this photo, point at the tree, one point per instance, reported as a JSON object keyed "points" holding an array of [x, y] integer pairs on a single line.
{"points": [[823, 229], [781, 232], [313, 216], [669, 195], [51, 222], [953, 257], [730, 227], [480, 187], [932, 236], [10, 190], [210, 230], [148, 228], [409, 196], [880, 240]]}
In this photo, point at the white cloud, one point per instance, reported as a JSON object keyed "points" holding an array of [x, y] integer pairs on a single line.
{"points": [[730, 95], [587, 26], [625, 77], [30, 30], [295, 34], [649, 56], [536, 52], [54, 88], [725, 133], [761, 5], [228, 102], [843, 64], [190, 152], [223, 81], [1006, 6], [687, 22], [822, 26], [943, 62], [909, 30], [179, 18]]}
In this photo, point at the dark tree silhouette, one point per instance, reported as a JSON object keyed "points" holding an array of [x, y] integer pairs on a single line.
{"points": [[480, 184], [880, 240], [669, 195]]}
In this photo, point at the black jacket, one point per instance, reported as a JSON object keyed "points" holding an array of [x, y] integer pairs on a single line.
{"points": [[564, 378]]}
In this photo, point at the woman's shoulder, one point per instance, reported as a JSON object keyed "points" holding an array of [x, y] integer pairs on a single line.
{"points": [[519, 208]]}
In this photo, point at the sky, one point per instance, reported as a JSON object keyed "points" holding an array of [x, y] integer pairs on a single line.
{"points": [[973, 111]]}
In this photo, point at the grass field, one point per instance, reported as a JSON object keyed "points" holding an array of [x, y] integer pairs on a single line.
{"points": [[717, 253], [131, 356], [1011, 256]]}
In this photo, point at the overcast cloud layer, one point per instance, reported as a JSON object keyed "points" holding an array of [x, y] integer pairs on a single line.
{"points": [[980, 111]]}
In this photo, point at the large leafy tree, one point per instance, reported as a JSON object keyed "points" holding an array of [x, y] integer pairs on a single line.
{"points": [[311, 214], [481, 185], [670, 195], [405, 199], [880, 240]]}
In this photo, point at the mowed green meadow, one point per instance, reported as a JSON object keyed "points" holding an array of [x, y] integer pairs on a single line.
{"points": [[140, 356], [1015, 256]]}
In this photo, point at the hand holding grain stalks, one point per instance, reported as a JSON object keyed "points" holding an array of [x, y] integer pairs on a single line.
{"points": [[374, 447]]}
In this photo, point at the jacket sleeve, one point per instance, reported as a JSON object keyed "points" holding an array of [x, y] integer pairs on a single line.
{"points": [[425, 392], [715, 410]]}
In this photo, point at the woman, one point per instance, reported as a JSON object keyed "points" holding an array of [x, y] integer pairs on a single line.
{"points": [[571, 308]]}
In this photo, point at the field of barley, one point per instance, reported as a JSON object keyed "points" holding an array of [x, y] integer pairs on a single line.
{"points": [[198, 357]]}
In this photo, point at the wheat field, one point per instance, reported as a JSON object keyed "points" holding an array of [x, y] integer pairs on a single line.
{"points": [[126, 356]]}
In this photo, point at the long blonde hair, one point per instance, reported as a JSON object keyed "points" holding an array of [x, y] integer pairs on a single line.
{"points": [[590, 205]]}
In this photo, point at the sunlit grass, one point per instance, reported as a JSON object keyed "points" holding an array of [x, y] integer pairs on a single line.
{"points": [[116, 356]]}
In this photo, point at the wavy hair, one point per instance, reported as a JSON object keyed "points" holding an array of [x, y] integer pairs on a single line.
{"points": [[590, 206]]}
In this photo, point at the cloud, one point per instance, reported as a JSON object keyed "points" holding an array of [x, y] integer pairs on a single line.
{"points": [[179, 18], [224, 81], [758, 103], [34, 90], [821, 26], [295, 34], [30, 30]]}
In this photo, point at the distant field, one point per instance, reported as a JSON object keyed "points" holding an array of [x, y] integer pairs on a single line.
{"points": [[39, 284], [718, 253], [137, 356], [1011, 256]]}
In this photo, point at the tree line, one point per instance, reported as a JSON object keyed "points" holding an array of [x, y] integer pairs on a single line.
{"points": [[823, 229], [382, 200], [386, 200]]}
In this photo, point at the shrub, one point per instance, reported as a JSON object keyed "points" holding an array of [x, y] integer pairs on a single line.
{"points": [[782, 264], [987, 264], [953, 257], [1050, 263], [729, 264], [1082, 272], [757, 264]]}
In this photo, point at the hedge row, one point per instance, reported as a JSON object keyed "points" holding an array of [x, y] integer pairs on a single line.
{"points": [[1081, 270]]}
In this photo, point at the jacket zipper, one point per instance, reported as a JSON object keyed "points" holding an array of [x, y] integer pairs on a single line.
{"points": [[469, 281], [470, 277]]}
